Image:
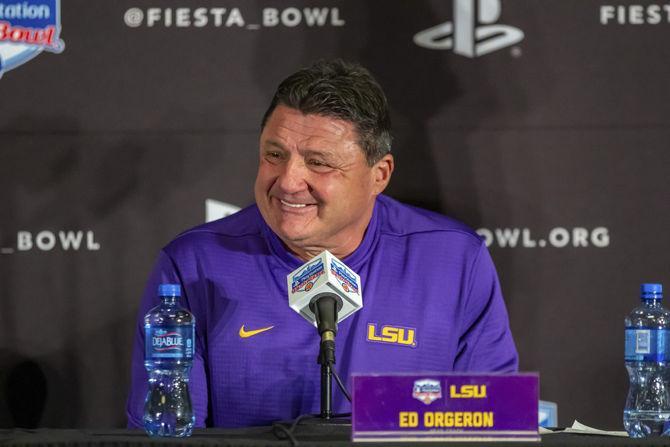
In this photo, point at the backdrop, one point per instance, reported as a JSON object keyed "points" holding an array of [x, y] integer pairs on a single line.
{"points": [[543, 124]]}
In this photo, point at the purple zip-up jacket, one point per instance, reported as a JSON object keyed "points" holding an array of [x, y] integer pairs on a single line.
{"points": [[427, 277]]}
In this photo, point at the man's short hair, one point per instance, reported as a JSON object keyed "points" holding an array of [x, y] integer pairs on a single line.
{"points": [[342, 90]]}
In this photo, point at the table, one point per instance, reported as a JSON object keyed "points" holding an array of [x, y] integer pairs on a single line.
{"points": [[337, 436]]}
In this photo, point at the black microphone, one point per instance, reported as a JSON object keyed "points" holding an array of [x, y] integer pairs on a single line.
{"points": [[325, 307]]}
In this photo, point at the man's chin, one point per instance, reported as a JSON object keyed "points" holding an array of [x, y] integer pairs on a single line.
{"points": [[295, 222], [293, 236]]}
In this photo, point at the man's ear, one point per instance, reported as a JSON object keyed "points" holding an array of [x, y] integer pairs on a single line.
{"points": [[381, 172]]}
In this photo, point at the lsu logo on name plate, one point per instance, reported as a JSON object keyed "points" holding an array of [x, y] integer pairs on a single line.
{"points": [[427, 390], [26, 29]]}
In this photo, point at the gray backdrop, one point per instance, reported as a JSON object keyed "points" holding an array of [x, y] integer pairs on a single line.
{"points": [[554, 146]]}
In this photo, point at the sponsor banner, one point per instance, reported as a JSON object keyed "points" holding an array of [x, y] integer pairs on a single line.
{"points": [[53, 240], [472, 32], [215, 209], [233, 17], [634, 14], [111, 149], [408, 408], [26, 29], [558, 237]]}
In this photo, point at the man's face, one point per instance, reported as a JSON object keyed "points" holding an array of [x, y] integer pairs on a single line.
{"points": [[314, 187]]}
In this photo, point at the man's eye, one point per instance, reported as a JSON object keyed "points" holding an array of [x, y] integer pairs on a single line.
{"points": [[317, 163], [273, 156]]}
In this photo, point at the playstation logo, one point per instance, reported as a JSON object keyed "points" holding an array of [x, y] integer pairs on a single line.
{"points": [[467, 36]]}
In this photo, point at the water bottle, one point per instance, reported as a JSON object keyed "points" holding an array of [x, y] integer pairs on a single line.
{"points": [[647, 410], [169, 347]]}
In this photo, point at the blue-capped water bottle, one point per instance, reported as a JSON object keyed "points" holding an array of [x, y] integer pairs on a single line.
{"points": [[169, 348], [647, 410]]}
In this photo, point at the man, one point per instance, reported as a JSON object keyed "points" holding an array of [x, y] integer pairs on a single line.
{"points": [[324, 162]]}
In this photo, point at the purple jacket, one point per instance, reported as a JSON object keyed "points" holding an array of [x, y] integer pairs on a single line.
{"points": [[431, 302]]}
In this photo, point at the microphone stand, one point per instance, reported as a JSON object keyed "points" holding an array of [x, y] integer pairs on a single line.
{"points": [[325, 311], [325, 308], [326, 360]]}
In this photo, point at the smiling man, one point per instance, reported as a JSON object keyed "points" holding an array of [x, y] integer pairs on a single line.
{"points": [[315, 188], [427, 280]]}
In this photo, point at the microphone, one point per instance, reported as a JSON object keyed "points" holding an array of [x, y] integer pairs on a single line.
{"points": [[324, 291]]}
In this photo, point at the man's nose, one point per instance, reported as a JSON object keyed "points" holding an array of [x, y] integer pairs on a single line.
{"points": [[293, 178]]}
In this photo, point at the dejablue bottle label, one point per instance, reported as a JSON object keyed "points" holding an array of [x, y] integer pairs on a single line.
{"points": [[173, 342], [647, 344]]}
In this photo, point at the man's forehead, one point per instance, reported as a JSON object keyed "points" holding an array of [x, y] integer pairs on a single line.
{"points": [[292, 123]]}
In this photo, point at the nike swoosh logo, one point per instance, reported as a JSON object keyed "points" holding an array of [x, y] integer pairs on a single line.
{"points": [[246, 334]]}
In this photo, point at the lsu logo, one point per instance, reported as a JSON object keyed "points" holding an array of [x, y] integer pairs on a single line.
{"points": [[467, 391], [427, 390], [26, 29], [395, 335]]}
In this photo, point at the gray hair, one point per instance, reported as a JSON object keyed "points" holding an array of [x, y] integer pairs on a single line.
{"points": [[342, 90]]}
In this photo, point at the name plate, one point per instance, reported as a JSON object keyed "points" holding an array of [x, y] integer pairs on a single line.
{"points": [[445, 407]]}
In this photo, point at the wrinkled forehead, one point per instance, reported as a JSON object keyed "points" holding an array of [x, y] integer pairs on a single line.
{"points": [[291, 127]]}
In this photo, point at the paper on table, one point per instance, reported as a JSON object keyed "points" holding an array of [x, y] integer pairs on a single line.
{"points": [[579, 428]]}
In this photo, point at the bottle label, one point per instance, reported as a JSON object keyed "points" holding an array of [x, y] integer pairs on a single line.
{"points": [[169, 342], [647, 345]]}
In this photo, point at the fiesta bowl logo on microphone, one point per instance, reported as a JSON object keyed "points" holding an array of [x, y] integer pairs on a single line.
{"points": [[26, 29], [304, 280], [473, 31], [319, 277], [348, 281]]}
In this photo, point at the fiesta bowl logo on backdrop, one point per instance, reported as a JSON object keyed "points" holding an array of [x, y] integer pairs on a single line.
{"points": [[473, 31], [53, 240], [26, 29], [557, 237], [632, 14], [232, 17]]}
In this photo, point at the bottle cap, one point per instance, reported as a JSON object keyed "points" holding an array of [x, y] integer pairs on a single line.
{"points": [[651, 291], [169, 290]]}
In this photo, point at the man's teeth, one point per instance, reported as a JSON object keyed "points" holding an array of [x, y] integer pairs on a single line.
{"points": [[293, 205]]}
